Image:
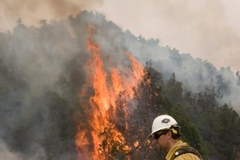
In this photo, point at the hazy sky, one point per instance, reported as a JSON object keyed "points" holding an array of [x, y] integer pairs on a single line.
{"points": [[207, 29]]}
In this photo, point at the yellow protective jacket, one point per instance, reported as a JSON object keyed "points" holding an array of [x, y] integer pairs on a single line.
{"points": [[186, 156]]}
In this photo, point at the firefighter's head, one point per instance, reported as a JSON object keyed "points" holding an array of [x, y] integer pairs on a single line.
{"points": [[164, 129]]}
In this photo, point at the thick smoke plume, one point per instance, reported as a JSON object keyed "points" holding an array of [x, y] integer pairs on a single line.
{"points": [[31, 12], [42, 72]]}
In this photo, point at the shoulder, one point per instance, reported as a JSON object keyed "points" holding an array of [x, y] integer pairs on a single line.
{"points": [[182, 151], [186, 153]]}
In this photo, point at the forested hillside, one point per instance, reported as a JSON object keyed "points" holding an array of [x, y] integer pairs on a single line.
{"points": [[46, 97], [205, 124]]}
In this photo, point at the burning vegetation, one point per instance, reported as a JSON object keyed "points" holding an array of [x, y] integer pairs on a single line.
{"points": [[107, 119], [82, 89]]}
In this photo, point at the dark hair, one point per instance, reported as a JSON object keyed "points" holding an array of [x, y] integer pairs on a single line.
{"points": [[157, 134]]}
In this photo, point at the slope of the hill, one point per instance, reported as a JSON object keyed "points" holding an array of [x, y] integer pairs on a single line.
{"points": [[43, 69]]}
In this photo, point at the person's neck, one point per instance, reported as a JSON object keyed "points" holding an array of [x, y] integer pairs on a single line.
{"points": [[171, 143]]}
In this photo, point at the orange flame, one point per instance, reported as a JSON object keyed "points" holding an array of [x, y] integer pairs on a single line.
{"points": [[106, 87]]}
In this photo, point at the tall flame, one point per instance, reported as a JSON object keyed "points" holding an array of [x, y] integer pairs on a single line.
{"points": [[107, 87]]}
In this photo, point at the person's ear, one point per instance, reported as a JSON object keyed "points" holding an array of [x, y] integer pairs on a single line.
{"points": [[169, 134]]}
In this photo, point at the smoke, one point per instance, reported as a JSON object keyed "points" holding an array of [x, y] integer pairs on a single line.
{"points": [[31, 12], [5, 154], [207, 29], [196, 75], [211, 26], [33, 61]]}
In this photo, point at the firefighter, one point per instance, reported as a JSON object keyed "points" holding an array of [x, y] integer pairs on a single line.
{"points": [[166, 131]]}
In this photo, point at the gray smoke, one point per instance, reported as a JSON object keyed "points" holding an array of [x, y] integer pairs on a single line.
{"points": [[32, 61], [195, 74], [6, 154], [32, 12]]}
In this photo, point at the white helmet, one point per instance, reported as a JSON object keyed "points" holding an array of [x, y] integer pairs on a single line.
{"points": [[163, 122]]}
